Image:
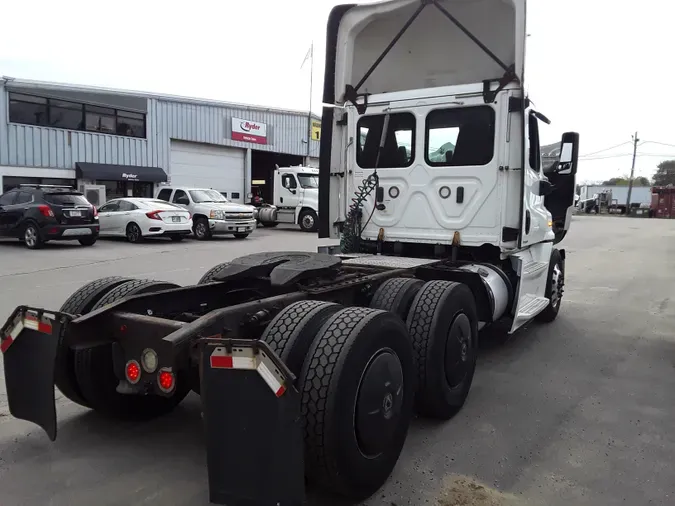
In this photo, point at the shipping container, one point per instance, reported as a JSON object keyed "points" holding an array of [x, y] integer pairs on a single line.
{"points": [[663, 202]]}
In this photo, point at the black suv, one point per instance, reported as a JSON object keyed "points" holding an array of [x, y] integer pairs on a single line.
{"points": [[36, 214]]}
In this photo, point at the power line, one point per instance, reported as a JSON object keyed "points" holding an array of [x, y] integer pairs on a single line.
{"points": [[660, 143], [658, 155], [606, 149]]}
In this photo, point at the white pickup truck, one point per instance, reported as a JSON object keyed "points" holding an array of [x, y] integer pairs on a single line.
{"points": [[212, 214]]}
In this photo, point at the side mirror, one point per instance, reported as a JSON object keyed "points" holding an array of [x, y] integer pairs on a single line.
{"points": [[293, 191], [569, 154]]}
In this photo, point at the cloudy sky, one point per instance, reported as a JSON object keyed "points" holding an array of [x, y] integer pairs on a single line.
{"points": [[600, 67]]}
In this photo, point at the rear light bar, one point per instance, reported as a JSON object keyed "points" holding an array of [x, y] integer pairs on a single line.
{"points": [[154, 215], [45, 210]]}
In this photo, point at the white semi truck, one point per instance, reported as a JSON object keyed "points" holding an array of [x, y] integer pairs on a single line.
{"points": [[436, 219], [296, 199]]}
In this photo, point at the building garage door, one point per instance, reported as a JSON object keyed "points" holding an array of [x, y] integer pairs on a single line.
{"points": [[206, 166]]}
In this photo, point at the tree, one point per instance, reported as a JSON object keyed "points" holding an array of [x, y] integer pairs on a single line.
{"points": [[623, 181], [665, 173]]}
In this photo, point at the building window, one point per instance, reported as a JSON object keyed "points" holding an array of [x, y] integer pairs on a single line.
{"points": [[399, 145], [28, 110], [57, 113], [64, 114]]}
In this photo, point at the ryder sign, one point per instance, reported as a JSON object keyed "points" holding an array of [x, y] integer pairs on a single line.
{"points": [[249, 131]]}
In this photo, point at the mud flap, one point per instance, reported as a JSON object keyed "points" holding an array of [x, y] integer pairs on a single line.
{"points": [[254, 447], [29, 342]]}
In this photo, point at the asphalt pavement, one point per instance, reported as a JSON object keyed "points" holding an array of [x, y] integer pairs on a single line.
{"points": [[577, 412]]}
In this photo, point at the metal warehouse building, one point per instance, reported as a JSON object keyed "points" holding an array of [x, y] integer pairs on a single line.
{"points": [[112, 143]]}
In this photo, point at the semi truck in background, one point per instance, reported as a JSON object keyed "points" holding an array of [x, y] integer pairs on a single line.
{"points": [[436, 218], [295, 199]]}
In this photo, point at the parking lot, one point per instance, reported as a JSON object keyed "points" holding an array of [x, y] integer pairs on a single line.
{"points": [[579, 412]]}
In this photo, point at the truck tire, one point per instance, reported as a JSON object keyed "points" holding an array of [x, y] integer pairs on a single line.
{"points": [[443, 326], [80, 302], [133, 287], [308, 221], [357, 394], [201, 229], [396, 295], [211, 273], [291, 332], [555, 286], [94, 368]]}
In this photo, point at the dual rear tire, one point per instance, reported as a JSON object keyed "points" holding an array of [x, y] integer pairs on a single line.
{"points": [[87, 376], [362, 372]]}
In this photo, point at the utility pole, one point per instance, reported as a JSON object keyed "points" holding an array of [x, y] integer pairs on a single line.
{"points": [[632, 173]]}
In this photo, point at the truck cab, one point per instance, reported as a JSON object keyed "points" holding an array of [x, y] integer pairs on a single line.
{"points": [[440, 160], [296, 198]]}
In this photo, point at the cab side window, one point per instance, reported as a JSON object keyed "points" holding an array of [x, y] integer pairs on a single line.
{"points": [[533, 143], [287, 181], [180, 197], [164, 194]]}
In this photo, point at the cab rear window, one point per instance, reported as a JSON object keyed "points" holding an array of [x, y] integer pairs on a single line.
{"points": [[63, 199]]}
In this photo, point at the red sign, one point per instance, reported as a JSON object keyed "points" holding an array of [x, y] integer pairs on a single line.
{"points": [[249, 131]]}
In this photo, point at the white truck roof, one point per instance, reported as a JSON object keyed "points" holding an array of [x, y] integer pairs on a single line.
{"points": [[432, 37]]}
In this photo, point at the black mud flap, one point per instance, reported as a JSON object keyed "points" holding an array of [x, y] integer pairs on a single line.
{"points": [[253, 425], [29, 341]]}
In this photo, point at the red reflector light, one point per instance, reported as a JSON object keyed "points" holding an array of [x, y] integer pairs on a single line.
{"points": [[154, 215], [46, 211], [166, 380], [53, 231], [133, 372]]}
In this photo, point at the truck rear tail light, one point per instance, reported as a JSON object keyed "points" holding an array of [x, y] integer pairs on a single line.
{"points": [[46, 211], [154, 215], [149, 360], [166, 381], [132, 372]]}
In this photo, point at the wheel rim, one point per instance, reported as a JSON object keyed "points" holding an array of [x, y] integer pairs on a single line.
{"points": [[557, 286], [379, 401], [30, 236], [307, 221], [458, 350], [133, 233], [200, 229]]}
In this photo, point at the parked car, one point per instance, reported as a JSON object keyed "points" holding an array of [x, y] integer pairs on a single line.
{"points": [[211, 212], [37, 214], [138, 218]]}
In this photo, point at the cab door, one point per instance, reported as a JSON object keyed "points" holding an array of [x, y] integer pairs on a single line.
{"points": [[289, 192], [561, 173]]}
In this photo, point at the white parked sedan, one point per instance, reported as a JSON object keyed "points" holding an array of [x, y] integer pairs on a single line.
{"points": [[137, 218]]}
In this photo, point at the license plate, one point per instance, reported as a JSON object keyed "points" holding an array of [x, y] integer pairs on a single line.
{"points": [[241, 229], [75, 214], [175, 219]]}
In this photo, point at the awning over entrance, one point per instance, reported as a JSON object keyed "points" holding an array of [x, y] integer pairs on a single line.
{"points": [[109, 172]]}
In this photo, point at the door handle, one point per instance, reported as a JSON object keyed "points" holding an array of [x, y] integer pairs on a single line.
{"points": [[528, 222]]}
